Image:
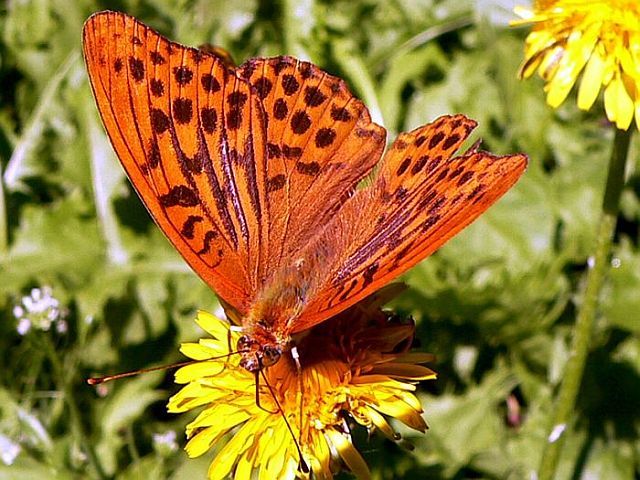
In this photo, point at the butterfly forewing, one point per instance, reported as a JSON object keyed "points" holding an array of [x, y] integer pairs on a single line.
{"points": [[420, 198], [170, 128]]}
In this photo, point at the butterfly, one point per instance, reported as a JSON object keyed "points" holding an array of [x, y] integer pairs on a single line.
{"points": [[262, 177]]}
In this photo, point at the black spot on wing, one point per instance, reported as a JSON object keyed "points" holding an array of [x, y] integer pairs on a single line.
{"points": [[209, 83], [182, 110], [188, 226], [289, 84], [300, 122], [209, 237], [182, 74], [310, 168], [280, 109], [156, 58], [159, 121], [276, 183], [314, 97], [325, 137], [157, 87], [136, 67], [451, 141], [263, 86], [209, 119], [436, 139], [179, 195]]}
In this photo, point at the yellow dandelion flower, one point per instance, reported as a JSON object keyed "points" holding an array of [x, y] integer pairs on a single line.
{"points": [[356, 363], [601, 39]]}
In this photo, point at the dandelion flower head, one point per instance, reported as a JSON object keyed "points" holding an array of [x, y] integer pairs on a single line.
{"points": [[600, 39], [355, 368]]}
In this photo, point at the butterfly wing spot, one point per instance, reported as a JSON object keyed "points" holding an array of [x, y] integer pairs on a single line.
{"points": [[117, 65], [136, 67], [234, 118], [306, 70], [311, 168], [456, 173], [369, 273], [431, 221], [263, 87], [183, 75], [273, 151], [300, 122], [209, 237], [400, 194], [237, 99], [340, 114], [451, 141], [281, 63], [325, 137], [466, 176], [476, 191], [276, 183], [399, 144], [210, 83], [403, 166], [159, 121], [180, 195], [419, 165], [289, 84], [153, 154], [189, 224], [136, 41], [313, 96], [182, 110], [291, 152], [280, 109], [208, 119], [157, 87], [156, 58], [436, 139]]}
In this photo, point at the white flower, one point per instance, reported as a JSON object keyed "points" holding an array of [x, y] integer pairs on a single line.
{"points": [[9, 450], [40, 310], [24, 325], [165, 443]]}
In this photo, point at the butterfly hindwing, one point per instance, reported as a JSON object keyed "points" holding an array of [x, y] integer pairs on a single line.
{"points": [[421, 197]]}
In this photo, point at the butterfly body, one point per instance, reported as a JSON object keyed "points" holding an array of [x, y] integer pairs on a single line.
{"points": [[255, 175]]}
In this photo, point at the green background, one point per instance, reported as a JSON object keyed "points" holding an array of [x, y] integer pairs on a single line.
{"points": [[495, 305]]}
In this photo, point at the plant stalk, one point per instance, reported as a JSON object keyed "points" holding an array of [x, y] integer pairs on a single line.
{"points": [[4, 227], [74, 412], [598, 263]]}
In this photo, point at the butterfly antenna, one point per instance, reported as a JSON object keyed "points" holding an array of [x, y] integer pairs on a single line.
{"points": [[303, 465], [117, 376]]}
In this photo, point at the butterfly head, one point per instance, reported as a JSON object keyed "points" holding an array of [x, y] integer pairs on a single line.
{"points": [[259, 351]]}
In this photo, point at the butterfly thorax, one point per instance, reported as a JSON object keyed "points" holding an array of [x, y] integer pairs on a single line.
{"points": [[267, 327]]}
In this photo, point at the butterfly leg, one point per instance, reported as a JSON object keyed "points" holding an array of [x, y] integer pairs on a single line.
{"points": [[257, 377]]}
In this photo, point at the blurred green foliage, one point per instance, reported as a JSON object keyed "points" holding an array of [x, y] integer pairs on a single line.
{"points": [[495, 305]]}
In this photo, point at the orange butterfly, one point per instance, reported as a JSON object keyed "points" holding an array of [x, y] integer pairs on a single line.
{"points": [[253, 173]]}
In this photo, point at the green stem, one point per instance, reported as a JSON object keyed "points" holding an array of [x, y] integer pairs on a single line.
{"points": [[565, 403], [4, 228], [291, 29], [74, 411]]}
